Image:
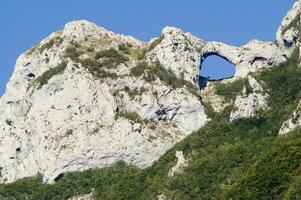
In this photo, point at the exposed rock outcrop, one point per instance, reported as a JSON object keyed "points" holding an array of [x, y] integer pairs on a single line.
{"points": [[181, 163], [82, 197], [249, 102], [161, 197], [292, 123], [74, 121]]}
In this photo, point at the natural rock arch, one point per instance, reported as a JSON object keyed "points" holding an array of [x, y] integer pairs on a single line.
{"points": [[204, 76], [209, 54], [214, 54]]}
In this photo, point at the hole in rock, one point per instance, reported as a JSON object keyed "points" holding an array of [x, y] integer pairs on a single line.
{"points": [[161, 114], [31, 75], [18, 150], [214, 68]]}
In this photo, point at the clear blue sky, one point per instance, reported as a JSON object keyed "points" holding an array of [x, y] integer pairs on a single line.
{"points": [[23, 23]]}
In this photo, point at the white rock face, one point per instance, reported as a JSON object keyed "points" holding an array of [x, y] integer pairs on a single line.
{"points": [[181, 163], [247, 104], [180, 52], [292, 123], [82, 197], [76, 120], [285, 36], [184, 54], [162, 197], [71, 123]]}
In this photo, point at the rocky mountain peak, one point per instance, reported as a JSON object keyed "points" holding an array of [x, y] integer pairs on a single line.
{"points": [[82, 28]]}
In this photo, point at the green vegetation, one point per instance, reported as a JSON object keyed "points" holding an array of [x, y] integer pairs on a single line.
{"points": [[135, 117], [9, 122], [139, 69], [77, 183], [132, 116], [73, 54], [244, 160], [294, 191], [125, 48], [151, 73], [170, 79], [57, 40], [230, 90], [138, 54], [136, 92], [112, 58], [47, 45], [33, 49], [155, 43], [209, 110], [165, 75], [294, 24], [96, 68], [69, 132], [46, 76]]}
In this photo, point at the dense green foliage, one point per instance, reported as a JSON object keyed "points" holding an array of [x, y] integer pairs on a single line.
{"points": [[242, 160], [98, 69], [230, 90], [46, 76], [104, 181], [111, 58], [139, 69]]}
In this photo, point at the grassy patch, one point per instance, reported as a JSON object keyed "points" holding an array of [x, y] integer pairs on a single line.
{"points": [[139, 69], [151, 73], [132, 116], [73, 54], [95, 67], [138, 54], [136, 92], [294, 24], [169, 78], [47, 45], [230, 90], [33, 49], [155, 43], [209, 110], [125, 48], [111, 58], [47, 75]]}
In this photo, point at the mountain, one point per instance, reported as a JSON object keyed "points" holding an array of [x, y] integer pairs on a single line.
{"points": [[94, 113]]}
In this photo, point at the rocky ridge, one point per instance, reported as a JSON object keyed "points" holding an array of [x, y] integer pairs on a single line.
{"points": [[87, 98]]}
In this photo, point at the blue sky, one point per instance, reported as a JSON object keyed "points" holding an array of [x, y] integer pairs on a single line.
{"points": [[24, 23]]}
